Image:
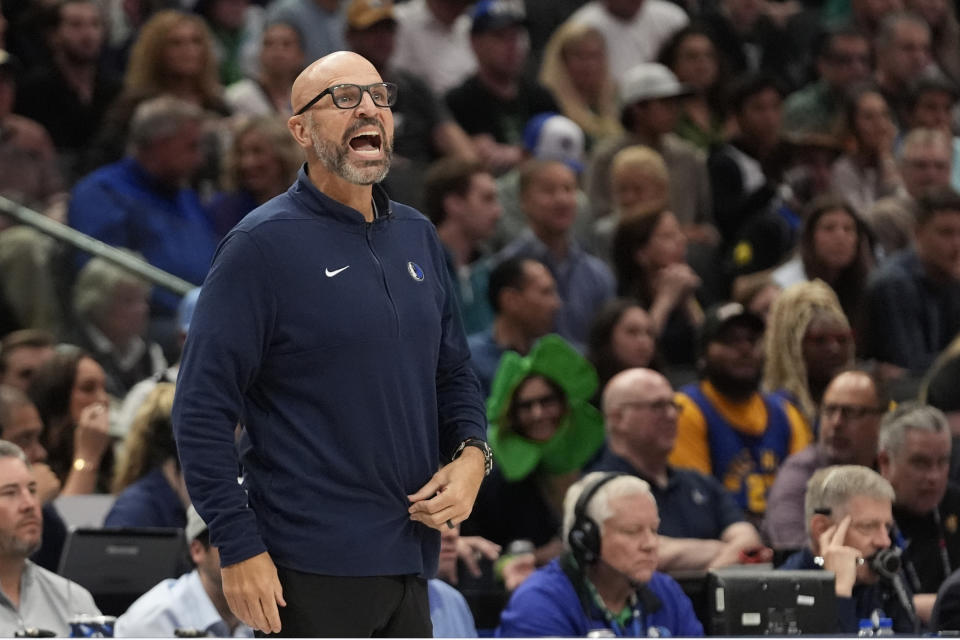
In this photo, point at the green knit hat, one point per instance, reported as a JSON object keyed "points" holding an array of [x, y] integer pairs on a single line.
{"points": [[581, 432]]}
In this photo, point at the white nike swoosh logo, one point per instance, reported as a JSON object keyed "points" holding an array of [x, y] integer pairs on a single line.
{"points": [[330, 274]]}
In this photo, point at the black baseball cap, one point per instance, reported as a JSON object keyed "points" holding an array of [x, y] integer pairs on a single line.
{"points": [[721, 316]]}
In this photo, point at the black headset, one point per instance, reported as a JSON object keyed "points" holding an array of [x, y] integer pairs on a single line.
{"points": [[584, 536]]}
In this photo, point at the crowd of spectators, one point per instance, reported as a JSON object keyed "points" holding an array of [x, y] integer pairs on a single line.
{"points": [[751, 202]]}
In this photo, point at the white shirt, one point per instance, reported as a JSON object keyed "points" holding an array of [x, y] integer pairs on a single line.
{"points": [[175, 604], [636, 40], [426, 47]]}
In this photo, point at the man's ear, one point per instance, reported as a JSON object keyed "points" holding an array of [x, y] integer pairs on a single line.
{"points": [[452, 203], [883, 463], [298, 128]]}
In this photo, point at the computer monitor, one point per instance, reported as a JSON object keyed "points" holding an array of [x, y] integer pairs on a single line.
{"points": [[117, 566], [750, 601]]}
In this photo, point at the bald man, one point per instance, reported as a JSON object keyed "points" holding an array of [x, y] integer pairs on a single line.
{"points": [[327, 327], [701, 525]]}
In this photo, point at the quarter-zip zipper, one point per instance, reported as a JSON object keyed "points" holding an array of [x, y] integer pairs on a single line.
{"points": [[368, 230]]}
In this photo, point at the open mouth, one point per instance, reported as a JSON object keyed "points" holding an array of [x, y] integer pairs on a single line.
{"points": [[367, 143]]}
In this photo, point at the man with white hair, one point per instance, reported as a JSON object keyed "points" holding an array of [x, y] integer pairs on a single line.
{"points": [[914, 456], [607, 578], [849, 518]]}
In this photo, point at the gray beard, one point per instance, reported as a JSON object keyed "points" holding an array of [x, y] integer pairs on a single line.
{"points": [[334, 158]]}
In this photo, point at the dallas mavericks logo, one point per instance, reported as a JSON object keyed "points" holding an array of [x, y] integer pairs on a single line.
{"points": [[415, 271]]}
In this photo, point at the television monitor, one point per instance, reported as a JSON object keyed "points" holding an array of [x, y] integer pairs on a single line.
{"points": [[752, 601], [117, 566]]}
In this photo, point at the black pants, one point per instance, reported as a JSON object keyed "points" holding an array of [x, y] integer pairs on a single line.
{"points": [[346, 607]]}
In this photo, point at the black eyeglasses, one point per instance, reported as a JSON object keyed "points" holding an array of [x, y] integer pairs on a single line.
{"points": [[547, 402], [348, 96], [656, 406]]}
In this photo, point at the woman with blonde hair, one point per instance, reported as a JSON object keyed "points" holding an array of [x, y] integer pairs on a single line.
{"points": [[575, 70], [808, 341], [172, 55], [147, 476], [261, 162]]}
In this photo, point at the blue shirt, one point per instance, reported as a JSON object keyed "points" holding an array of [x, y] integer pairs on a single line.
{"points": [[148, 502], [584, 283], [692, 505], [449, 612], [173, 604], [124, 206], [485, 356], [549, 604], [337, 343]]}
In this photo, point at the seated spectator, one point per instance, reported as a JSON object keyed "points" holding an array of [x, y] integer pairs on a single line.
{"points": [[490, 104], [842, 59], [849, 422], [575, 68], [649, 108], [808, 342], [745, 178], [549, 137], [903, 54], [701, 526], [892, 221], [868, 172], [548, 197], [424, 130], [621, 337], [848, 516], [727, 427], [912, 302], [130, 407], [70, 95], [691, 54], [20, 425], [173, 55], [937, 390], [236, 27], [193, 602], [835, 247], [932, 100], [914, 456], [607, 577], [523, 296], [281, 61], [70, 394], [262, 162], [33, 597], [640, 185], [21, 354], [461, 201], [946, 608], [111, 307], [649, 257], [449, 612], [941, 17], [543, 430], [926, 158], [320, 21], [148, 481], [29, 173], [143, 203], [433, 42], [634, 30]]}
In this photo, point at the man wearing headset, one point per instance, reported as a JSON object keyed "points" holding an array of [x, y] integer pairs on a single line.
{"points": [[607, 578], [849, 519]]}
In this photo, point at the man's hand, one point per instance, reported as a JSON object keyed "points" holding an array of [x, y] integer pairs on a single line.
{"points": [[450, 493], [839, 558], [517, 569], [48, 484], [253, 592], [471, 548]]}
